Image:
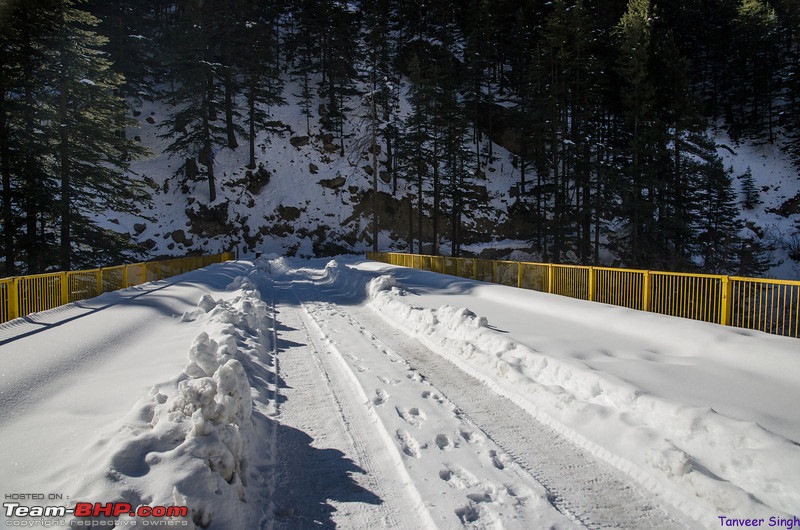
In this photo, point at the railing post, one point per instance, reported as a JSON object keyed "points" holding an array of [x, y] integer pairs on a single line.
{"points": [[519, 275], [64, 288], [125, 277], [590, 287], [99, 275], [725, 301], [550, 278], [13, 299], [646, 291]]}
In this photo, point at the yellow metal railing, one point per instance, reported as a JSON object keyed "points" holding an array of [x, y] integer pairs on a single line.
{"points": [[765, 305], [752, 303], [22, 295]]}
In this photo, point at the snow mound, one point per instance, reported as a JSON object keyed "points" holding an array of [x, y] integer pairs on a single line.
{"points": [[273, 264], [380, 284], [192, 441]]}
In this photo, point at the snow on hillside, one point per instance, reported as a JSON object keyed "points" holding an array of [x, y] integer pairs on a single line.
{"points": [[778, 183], [169, 394], [312, 202]]}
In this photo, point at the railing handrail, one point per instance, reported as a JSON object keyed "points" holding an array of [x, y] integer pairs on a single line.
{"points": [[768, 305], [23, 295]]}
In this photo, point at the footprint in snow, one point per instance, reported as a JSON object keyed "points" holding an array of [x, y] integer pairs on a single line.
{"points": [[483, 496], [471, 437], [414, 376], [443, 442], [468, 514], [499, 460], [380, 397], [408, 443], [412, 416], [458, 477], [436, 397]]}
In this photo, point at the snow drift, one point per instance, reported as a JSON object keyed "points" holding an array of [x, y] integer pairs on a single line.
{"points": [[704, 462], [195, 440]]}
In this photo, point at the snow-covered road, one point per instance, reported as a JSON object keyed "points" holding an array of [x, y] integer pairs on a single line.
{"points": [[453, 467], [299, 394]]}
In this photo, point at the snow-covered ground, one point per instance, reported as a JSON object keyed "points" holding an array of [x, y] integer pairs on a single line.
{"points": [[281, 393]]}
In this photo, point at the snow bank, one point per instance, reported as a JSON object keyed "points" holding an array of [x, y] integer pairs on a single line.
{"points": [[192, 442], [705, 463]]}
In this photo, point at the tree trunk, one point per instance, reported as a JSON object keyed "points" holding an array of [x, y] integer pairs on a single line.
{"points": [[251, 100], [208, 148], [8, 212], [436, 198], [375, 169], [66, 184], [232, 143]]}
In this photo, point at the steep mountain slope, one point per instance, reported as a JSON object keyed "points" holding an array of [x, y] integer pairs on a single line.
{"points": [[305, 198]]}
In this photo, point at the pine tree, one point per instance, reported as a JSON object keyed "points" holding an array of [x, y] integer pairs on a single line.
{"points": [[381, 100], [415, 158], [193, 127], [459, 165], [29, 186], [749, 191], [570, 94], [338, 68], [306, 94], [680, 125], [718, 223], [128, 26], [633, 34], [757, 59], [92, 160], [259, 65]]}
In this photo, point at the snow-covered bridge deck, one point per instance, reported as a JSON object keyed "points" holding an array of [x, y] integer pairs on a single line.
{"points": [[356, 394]]}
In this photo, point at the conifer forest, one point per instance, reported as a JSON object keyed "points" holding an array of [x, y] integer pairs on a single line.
{"points": [[606, 110]]}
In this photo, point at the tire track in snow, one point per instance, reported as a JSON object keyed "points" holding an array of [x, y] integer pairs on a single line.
{"points": [[587, 490], [449, 461], [327, 473]]}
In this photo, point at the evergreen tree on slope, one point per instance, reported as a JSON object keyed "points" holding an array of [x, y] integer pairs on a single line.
{"points": [[92, 160]]}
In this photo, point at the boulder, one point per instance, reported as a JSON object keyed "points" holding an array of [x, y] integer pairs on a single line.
{"points": [[334, 183], [299, 141]]}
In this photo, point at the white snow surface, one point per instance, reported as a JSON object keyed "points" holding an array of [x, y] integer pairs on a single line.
{"points": [[170, 393]]}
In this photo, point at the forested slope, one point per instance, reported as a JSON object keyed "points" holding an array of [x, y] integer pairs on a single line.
{"points": [[595, 131]]}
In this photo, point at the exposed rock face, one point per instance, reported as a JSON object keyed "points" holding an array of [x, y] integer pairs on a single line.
{"points": [[334, 183], [299, 141], [789, 207], [206, 221], [179, 236], [258, 179]]}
